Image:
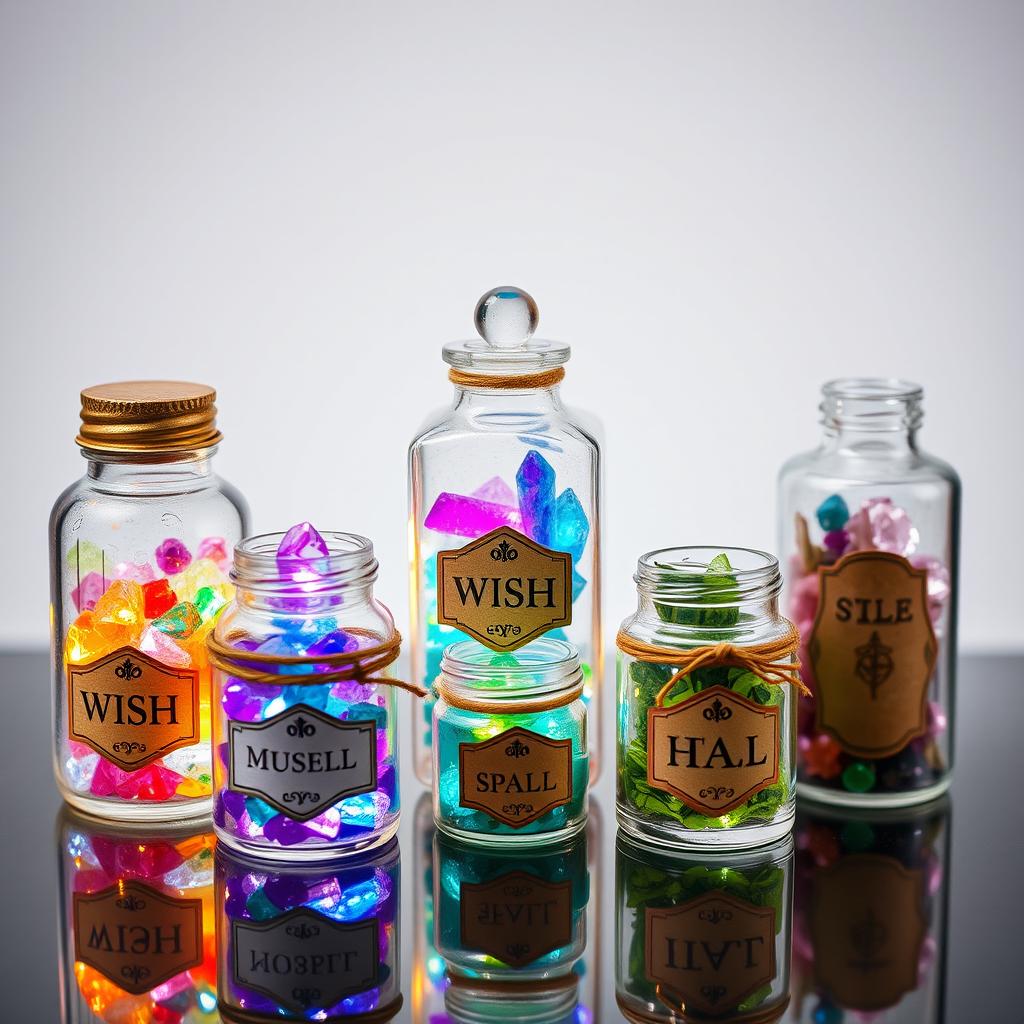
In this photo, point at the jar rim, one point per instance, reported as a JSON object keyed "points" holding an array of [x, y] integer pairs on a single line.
{"points": [[350, 561], [872, 388], [680, 576], [541, 667]]}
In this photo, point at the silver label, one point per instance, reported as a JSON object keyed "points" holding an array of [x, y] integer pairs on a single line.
{"points": [[305, 961], [303, 761]]}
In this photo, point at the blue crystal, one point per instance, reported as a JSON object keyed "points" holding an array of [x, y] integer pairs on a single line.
{"points": [[832, 513], [578, 583], [259, 811], [535, 483], [572, 528]]}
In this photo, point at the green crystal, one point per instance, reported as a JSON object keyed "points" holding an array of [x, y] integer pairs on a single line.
{"points": [[859, 777], [260, 907], [179, 622], [208, 602], [504, 661]]}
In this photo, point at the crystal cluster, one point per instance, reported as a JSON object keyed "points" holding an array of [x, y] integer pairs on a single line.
{"points": [[167, 613], [346, 893], [534, 507], [878, 525], [308, 631], [181, 868]]}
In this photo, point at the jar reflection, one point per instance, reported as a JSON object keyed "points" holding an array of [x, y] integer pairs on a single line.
{"points": [[703, 937], [137, 923], [430, 975], [870, 915], [309, 942]]}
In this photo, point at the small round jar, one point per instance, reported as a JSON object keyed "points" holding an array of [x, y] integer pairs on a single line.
{"points": [[870, 913], [139, 554], [707, 708], [510, 740], [306, 749], [701, 939], [510, 914], [302, 942], [138, 927], [869, 525]]}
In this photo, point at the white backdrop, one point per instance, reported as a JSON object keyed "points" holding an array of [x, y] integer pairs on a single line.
{"points": [[718, 205]]}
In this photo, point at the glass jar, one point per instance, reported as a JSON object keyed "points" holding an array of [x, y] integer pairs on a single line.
{"points": [[138, 929], [541, 1001], [139, 552], [506, 464], [703, 939], [306, 942], [706, 676], [870, 530], [508, 914], [870, 918], [305, 711], [510, 743]]}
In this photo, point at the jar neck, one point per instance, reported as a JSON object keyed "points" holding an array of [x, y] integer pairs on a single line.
{"points": [[871, 415], [543, 668], [304, 587], [182, 471], [713, 591], [514, 401]]}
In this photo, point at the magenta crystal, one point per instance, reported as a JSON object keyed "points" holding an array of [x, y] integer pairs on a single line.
{"points": [[302, 542], [836, 541], [217, 550], [172, 556], [939, 583], [88, 592], [882, 526], [465, 516]]}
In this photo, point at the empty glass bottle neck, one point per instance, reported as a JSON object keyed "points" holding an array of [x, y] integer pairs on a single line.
{"points": [[707, 588], [871, 411], [180, 471], [304, 586]]}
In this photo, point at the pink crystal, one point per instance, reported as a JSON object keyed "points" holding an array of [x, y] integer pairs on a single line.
{"points": [[496, 491], [469, 517], [217, 550], [140, 572], [172, 556], [803, 599], [160, 646], [88, 592], [939, 583], [882, 526], [303, 542], [107, 778]]}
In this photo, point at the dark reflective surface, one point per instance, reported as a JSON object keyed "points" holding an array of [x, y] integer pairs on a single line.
{"points": [[902, 917]]}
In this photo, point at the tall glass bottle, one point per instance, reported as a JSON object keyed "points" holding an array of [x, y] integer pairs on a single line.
{"points": [[504, 507], [869, 525], [140, 548]]}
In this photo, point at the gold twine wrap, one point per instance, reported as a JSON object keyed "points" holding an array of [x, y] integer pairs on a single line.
{"points": [[507, 382], [512, 706], [359, 666], [764, 660]]}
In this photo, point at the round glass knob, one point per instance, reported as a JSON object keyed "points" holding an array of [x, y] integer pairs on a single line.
{"points": [[506, 317]]}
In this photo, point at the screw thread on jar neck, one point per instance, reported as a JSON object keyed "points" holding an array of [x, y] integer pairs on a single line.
{"points": [[304, 586], [886, 408], [541, 668]]}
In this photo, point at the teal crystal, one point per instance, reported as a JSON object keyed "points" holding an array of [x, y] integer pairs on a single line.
{"points": [[259, 811], [180, 622], [578, 583], [832, 513], [572, 528]]}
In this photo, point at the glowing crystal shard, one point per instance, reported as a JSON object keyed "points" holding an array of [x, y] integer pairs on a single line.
{"points": [[535, 483], [464, 516], [572, 528]]}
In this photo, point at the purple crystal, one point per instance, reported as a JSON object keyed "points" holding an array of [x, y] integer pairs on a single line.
{"points": [[535, 482], [836, 541], [285, 891], [172, 556], [335, 642], [496, 491], [302, 542], [88, 592], [281, 829], [464, 516], [234, 803]]}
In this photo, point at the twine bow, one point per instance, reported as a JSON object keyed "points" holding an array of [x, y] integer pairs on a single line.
{"points": [[359, 666], [771, 661]]}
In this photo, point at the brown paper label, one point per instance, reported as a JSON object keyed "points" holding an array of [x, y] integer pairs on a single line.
{"points": [[867, 925], [516, 918], [710, 953], [713, 751], [132, 709], [516, 777], [504, 589], [873, 652], [137, 937]]}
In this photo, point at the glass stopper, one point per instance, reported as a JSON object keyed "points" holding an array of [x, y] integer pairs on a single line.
{"points": [[506, 317]]}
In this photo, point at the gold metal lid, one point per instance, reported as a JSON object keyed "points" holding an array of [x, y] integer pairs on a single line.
{"points": [[148, 417]]}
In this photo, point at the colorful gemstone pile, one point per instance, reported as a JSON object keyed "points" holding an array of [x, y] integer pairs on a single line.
{"points": [[878, 525], [534, 508], [365, 889], [181, 869], [165, 611], [310, 629]]}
